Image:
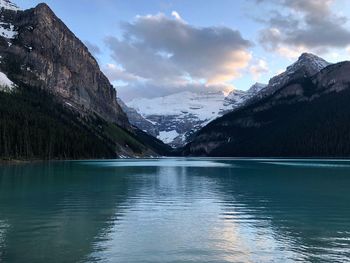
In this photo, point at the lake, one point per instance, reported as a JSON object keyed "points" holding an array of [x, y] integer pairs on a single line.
{"points": [[176, 210]]}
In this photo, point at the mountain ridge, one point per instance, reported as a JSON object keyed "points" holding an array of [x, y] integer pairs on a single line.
{"points": [[289, 122], [178, 116]]}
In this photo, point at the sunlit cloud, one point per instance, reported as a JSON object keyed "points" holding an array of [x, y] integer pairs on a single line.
{"points": [[116, 73], [169, 52], [259, 68], [176, 15]]}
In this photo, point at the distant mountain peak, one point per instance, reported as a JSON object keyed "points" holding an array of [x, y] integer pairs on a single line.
{"points": [[307, 55], [256, 87], [8, 5], [306, 66], [311, 63], [178, 116]]}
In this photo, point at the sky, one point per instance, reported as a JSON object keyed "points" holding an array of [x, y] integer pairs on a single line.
{"points": [[152, 48]]}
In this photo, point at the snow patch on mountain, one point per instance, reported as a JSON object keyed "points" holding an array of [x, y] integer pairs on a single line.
{"points": [[5, 83], [306, 66], [310, 63], [168, 136], [7, 30], [238, 98], [202, 106], [257, 87], [8, 5], [178, 116]]}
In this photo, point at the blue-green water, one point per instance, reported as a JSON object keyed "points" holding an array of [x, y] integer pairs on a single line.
{"points": [[176, 210]]}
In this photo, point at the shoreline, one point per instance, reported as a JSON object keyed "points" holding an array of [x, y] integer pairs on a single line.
{"points": [[17, 162]]}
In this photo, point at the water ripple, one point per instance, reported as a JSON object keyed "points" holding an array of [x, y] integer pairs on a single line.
{"points": [[176, 210]]}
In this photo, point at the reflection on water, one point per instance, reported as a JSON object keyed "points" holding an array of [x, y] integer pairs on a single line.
{"points": [[176, 210], [157, 163]]}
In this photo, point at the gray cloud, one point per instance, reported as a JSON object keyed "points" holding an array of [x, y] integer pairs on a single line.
{"points": [[304, 25], [175, 54]]}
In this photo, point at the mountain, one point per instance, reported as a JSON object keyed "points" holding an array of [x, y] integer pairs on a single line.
{"points": [[137, 120], [306, 114], [237, 98], [175, 118], [306, 66], [42, 63], [39, 50]]}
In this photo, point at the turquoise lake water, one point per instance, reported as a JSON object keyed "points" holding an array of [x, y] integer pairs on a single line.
{"points": [[176, 210]]}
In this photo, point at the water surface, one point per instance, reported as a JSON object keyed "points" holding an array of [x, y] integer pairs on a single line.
{"points": [[176, 210]]}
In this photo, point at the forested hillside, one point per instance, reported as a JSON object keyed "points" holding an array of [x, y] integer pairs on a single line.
{"points": [[34, 125]]}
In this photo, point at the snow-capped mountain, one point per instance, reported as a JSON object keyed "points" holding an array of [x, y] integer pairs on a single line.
{"points": [[306, 66], [7, 30], [137, 120], [237, 97], [5, 83], [303, 112], [178, 116], [6, 4]]}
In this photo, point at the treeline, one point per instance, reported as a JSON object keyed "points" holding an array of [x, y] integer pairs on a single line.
{"points": [[34, 125], [320, 128], [317, 128]]}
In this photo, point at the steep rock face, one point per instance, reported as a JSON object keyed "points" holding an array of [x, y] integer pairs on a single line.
{"points": [[306, 117], [55, 101], [39, 50]]}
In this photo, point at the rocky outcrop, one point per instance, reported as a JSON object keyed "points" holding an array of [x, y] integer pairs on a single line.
{"points": [[39, 50]]}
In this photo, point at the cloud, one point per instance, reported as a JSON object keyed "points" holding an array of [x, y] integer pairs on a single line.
{"points": [[259, 68], [116, 73], [303, 25], [151, 89], [176, 15], [94, 49], [172, 53]]}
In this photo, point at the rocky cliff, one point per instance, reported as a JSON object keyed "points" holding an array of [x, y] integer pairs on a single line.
{"points": [[37, 49], [55, 103]]}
